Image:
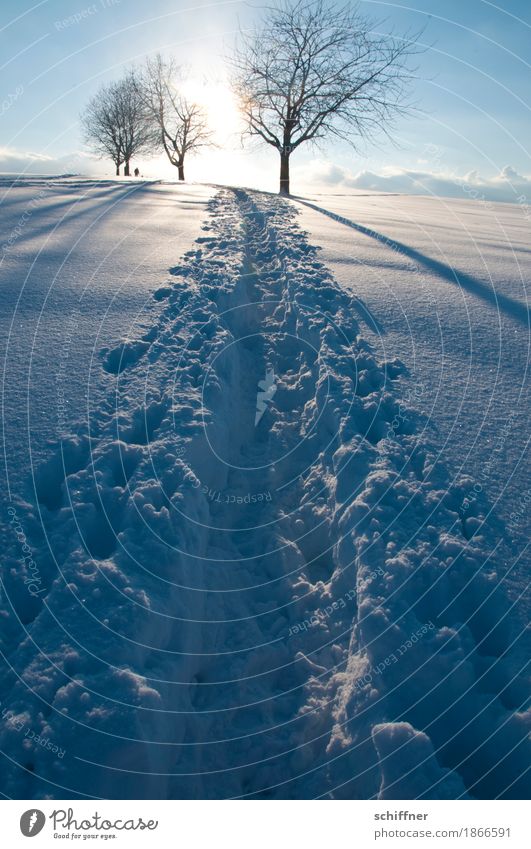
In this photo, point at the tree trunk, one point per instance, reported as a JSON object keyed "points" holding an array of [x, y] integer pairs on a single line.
{"points": [[284, 173], [126, 169], [117, 170], [180, 166]]}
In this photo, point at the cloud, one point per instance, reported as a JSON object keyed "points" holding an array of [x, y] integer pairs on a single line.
{"points": [[81, 163], [20, 162], [508, 186]]}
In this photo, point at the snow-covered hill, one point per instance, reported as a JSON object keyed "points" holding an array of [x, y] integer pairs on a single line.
{"points": [[252, 566]]}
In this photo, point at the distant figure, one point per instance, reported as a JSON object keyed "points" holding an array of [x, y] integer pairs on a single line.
{"points": [[137, 172]]}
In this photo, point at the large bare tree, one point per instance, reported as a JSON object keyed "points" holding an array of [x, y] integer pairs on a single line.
{"points": [[312, 70], [116, 123], [180, 125]]}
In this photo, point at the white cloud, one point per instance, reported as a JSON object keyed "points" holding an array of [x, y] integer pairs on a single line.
{"points": [[21, 162], [508, 185]]}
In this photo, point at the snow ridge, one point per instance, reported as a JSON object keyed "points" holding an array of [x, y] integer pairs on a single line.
{"points": [[283, 605]]}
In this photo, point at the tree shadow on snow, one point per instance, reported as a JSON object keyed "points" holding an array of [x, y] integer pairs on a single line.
{"points": [[509, 305]]}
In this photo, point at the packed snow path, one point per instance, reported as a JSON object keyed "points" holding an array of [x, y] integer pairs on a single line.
{"points": [[261, 580]]}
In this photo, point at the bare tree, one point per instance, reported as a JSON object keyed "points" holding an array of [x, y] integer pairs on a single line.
{"points": [[101, 127], [136, 128], [180, 125], [313, 70], [116, 123]]}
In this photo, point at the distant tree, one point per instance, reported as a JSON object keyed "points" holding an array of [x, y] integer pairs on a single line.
{"points": [[135, 123], [101, 127], [116, 123], [180, 126], [313, 70]]}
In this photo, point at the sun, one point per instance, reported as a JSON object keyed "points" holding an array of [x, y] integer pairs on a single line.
{"points": [[224, 161], [220, 105]]}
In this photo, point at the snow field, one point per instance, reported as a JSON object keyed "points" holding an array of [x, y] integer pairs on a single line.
{"points": [[258, 579]]}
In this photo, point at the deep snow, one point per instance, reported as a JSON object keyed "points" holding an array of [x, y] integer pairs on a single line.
{"points": [[444, 284], [79, 261], [254, 568]]}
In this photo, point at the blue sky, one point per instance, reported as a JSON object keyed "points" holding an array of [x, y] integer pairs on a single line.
{"points": [[474, 81]]}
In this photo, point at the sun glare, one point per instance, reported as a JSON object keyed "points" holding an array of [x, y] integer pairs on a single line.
{"points": [[220, 106]]}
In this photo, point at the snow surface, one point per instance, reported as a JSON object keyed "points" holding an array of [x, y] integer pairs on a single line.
{"points": [[444, 285], [79, 261], [253, 566]]}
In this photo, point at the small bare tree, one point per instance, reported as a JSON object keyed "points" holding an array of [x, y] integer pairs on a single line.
{"points": [[313, 70], [135, 123], [101, 127], [180, 125], [116, 123]]}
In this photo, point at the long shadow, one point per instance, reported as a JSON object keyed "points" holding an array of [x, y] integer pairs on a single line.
{"points": [[38, 199], [103, 189], [514, 308], [368, 317], [79, 209]]}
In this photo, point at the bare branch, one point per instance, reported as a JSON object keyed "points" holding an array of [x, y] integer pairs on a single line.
{"points": [[180, 126], [313, 70], [115, 122]]}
